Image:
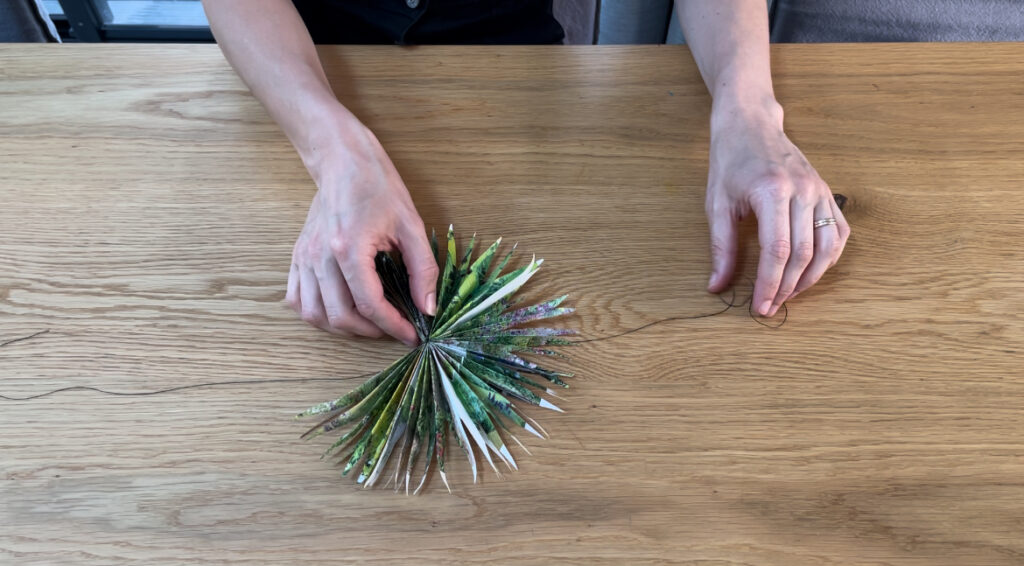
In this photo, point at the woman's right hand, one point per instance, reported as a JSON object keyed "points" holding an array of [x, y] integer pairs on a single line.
{"points": [[362, 207]]}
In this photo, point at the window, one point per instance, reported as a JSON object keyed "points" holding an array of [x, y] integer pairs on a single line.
{"points": [[133, 20]]}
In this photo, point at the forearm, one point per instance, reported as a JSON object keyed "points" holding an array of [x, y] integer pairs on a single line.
{"points": [[753, 166], [729, 41], [269, 47]]}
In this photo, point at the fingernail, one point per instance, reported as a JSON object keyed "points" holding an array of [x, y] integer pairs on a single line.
{"points": [[432, 303], [765, 306], [775, 309], [711, 280]]}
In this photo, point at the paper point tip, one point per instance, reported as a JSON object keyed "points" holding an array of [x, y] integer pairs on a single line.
{"points": [[548, 405]]}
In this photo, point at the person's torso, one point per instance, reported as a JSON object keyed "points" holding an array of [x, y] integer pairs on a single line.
{"points": [[430, 21]]}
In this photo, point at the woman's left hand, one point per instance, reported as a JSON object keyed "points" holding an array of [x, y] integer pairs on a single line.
{"points": [[754, 167]]}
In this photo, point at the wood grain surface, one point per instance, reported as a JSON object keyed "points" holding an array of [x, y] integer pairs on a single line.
{"points": [[148, 207]]}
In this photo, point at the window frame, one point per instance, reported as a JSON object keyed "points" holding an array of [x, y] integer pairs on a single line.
{"points": [[86, 23]]}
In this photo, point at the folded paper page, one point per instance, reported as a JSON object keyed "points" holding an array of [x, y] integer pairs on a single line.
{"points": [[464, 380]]}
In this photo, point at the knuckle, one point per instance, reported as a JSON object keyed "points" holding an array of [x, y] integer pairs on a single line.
{"points": [[338, 245], [336, 319], [806, 192], [785, 293], [716, 207], [803, 253], [775, 182], [312, 316], [770, 197], [836, 247], [774, 172], [313, 253], [720, 248], [430, 270], [365, 308], [416, 226], [779, 250], [802, 181]]}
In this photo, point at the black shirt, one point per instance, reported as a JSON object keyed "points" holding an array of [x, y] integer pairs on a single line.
{"points": [[502, 22]]}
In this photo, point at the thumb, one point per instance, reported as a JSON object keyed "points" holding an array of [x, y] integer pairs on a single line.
{"points": [[422, 268], [724, 242]]}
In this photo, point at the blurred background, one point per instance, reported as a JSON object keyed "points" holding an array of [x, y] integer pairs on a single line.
{"points": [[585, 21]]}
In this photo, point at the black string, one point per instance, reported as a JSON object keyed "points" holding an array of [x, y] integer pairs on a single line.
{"points": [[183, 387], [730, 304], [29, 337]]}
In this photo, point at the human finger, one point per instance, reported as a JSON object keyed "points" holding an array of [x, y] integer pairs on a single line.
{"points": [[842, 226], [338, 305], [801, 226], [291, 296], [360, 272], [422, 267], [312, 308], [774, 236], [724, 243], [828, 244]]}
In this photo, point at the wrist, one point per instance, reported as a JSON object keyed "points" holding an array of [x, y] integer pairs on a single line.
{"points": [[743, 95], [330, 140], [742, 110]]}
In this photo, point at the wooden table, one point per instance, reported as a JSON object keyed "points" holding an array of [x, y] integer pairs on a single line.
{"points": [[148, 211]]}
